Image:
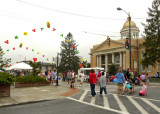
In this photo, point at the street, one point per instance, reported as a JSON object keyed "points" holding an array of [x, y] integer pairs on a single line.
{"points": [[83, 103]]}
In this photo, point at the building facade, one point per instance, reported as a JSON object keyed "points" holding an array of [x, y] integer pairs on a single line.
{"points": [[103, 55]]}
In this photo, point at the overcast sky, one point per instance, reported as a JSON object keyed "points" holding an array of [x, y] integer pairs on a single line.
{"points": [[75, 16]]}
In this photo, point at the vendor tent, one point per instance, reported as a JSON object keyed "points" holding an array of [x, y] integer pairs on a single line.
{"points": [[20, 66]]}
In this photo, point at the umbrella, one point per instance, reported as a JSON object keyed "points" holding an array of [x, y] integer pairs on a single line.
{"points": [[20, 66]]}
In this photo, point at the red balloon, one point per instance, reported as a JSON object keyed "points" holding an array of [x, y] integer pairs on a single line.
{"points": [[43, 55], [73, 46], [17, 62], [10, 65], [34, 59], [26, 48], [7, 42], [34, 30], [14, 48]]}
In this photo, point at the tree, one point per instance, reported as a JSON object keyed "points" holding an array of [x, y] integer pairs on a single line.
{"points": [[86, 64], [35, 66], [5, 61], [112, 69], [152, 36], [69, 58]]}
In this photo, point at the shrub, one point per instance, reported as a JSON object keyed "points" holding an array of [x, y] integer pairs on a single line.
{"points": [[112, 69], [30, 78], [6, 78]]}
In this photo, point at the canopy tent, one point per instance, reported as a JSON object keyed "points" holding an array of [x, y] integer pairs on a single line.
{"points": [[20, 66]]}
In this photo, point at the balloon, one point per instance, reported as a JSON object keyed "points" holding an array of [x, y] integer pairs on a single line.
{"points": [[7, 50], [54, 29], [51, 63], [34, 59], [115, 80], [25, 33], [68, 41], [16, 37], [1, 53], [21, 44], [143, 77], [43, 55], [128, 86], [10, 65], [47, 59], [17, 62], [32, 49], [156, 75], [73, 46], [34, 30], [62, 35], [5, 65], [42, 29], [77, 52], [81, 59], [7, 42], [14, 48], [59, 78], [48, 24], [26, 48], [37, 52], [81, 65]]}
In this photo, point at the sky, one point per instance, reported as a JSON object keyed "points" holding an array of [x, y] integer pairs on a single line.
{"points": [[75, 16]]}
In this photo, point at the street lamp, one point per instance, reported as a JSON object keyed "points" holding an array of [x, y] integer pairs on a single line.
{"points": [[129, 18], [22, 56], [57, 70]]}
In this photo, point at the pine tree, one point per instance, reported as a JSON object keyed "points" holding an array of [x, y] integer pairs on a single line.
{"points": [[69, 59], [35, 66], [152, 36], [3, 62], [86, 64]]}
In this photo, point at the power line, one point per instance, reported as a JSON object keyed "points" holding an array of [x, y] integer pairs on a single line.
{"points": [[75, 14], [99, 34]]}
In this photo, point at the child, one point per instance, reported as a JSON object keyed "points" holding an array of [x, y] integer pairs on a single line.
{"points": [[103, 84], [144, 89]]}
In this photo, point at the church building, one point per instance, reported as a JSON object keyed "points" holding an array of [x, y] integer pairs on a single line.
{"points": [[103, 55]]}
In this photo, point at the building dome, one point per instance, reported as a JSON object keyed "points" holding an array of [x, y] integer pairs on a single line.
{"points": [[126, 24]]}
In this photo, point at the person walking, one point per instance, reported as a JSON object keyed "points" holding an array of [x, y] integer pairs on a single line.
{"points": [[54, 76], [92, 81], [81, 75], [107, 77], [103, 84], [99, 76], [51, 77], [69, 76], [46, 74], [121, 81], [127, 80]]}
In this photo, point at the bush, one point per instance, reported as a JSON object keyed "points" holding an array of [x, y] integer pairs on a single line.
{"points": [[30, 78], [112, 69], [6, 78]]}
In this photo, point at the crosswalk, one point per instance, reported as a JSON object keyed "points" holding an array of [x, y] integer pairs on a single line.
{"points": [[119, 103]]}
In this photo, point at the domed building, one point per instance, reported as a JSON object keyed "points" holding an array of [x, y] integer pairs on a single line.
{"points": [[103, 55]]}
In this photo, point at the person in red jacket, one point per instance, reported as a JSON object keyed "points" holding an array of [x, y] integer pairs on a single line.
{"points": [[92, 81]]}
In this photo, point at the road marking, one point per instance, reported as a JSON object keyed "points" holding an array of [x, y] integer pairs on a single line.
{"points": [[151, 104], [83, 95], [93, 99], [120, 104], [105, 101], [137, 105], [106, 108]]}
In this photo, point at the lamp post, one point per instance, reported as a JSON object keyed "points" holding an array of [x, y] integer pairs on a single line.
{"points": [[22, 56], [57, 70], [129, 18]]}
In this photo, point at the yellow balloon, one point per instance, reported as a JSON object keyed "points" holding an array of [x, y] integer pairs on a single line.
{"points": [[51, 63], [37, 52], [68, 41], [25, 33], [81, 59]]}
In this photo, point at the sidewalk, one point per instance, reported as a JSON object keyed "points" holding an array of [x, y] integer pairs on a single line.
{"points": [[35, 94]]}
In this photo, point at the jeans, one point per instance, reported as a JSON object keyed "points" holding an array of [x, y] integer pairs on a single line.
{"points": [[93, 93], [103, 88]]}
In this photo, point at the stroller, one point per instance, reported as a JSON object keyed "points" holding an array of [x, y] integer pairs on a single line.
{"points": [[143, 91]]}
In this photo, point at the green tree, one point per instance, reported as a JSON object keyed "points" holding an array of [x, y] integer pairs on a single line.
{"points": [[36, 68], [86, 64], [5, 61], [69, 58], [152, 36], [112, 69]]}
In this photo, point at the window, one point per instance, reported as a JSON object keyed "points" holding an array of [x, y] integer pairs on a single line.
{"points": [[149, 68]]}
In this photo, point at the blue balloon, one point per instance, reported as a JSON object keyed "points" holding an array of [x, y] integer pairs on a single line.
{"points": [[115, 80], [156, 75], [128, 86], [59, 78]]}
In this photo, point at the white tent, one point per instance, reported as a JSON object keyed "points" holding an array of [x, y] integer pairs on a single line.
{"points": [[20, 66]]}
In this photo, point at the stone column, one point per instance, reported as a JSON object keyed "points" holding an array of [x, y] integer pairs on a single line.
{"points": [[120, 59], [97, 61], [106, 62], [124, 61], [100, 59], [112, 57]]}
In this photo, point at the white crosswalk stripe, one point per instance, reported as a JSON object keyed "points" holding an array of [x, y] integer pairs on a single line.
{"points": [[151, 104], [137, 105], [83, 95], [122, 107]]}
